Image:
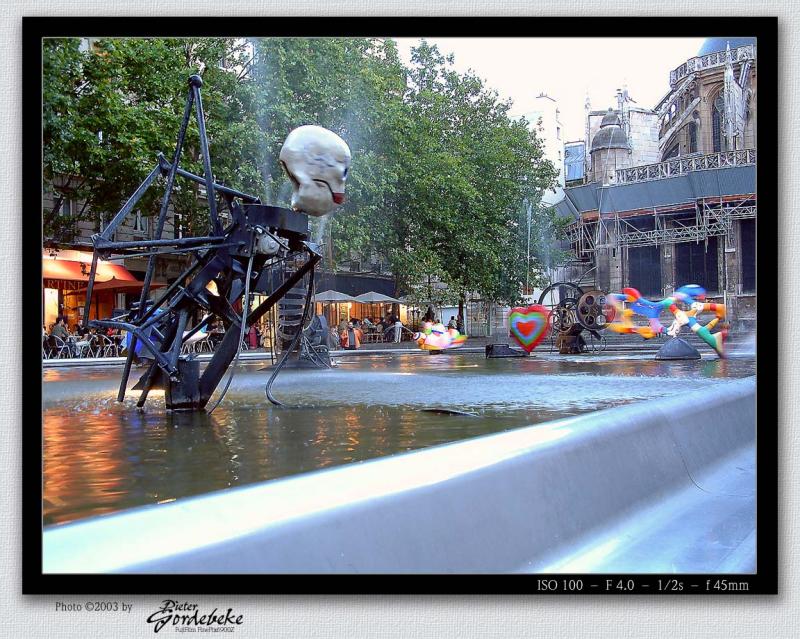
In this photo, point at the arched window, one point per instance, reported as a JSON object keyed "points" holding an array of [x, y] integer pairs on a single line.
{"points": [[692, 137], [717, 117]]}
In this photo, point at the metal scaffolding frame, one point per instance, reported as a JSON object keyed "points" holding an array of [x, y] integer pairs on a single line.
{"points": [[711, 217]]}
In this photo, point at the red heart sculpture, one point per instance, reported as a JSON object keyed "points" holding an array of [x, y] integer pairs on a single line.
{"points": [[526, 328], [528, 325]]}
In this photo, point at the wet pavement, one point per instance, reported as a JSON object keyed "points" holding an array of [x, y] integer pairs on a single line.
{"points": [[101, 456]]}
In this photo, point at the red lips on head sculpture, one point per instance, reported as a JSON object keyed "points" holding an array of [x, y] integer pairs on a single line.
{"points": [[528, 325]]}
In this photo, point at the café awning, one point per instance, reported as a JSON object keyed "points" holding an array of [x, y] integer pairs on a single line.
{"points": [[334, 296], [376, 298], [56, 269], [120, 285]]}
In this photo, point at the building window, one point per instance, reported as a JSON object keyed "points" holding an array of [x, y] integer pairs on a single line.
{"points": [[696, 263], [672, 153], [558, 132], [644, 263], [67, 207], [692, 137], [717, 118], [747, 248], [140, 224], [177, 226]]}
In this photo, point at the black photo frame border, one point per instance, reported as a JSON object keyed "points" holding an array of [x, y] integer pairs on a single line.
{"points": [[766, 29]]}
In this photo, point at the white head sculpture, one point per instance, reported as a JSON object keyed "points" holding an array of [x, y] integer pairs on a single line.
{"points": [[317, 161]]}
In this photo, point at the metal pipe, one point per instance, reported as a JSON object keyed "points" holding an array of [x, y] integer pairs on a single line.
{"points": [[162, 214], [125, 326], [165, 166], [200, 325], [196, 82], [262, 308], [151, 262], [171, 288], [88, 306], [178, 251], [175, 349], [184, 241], [149, 379], [128, 206]]}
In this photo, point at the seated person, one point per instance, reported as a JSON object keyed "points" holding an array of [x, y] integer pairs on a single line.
{"points": [[60, 329], [81, 330]]}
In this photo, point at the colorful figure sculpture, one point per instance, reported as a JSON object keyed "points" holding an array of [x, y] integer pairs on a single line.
{"points": [[637, 306], [437, 337], [692, 296], [528, 325]]}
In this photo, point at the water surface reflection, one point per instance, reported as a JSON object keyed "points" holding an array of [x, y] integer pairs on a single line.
{"points": [[101, 456]]}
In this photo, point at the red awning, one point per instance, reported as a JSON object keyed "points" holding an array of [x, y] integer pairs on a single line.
{"points": [[120, 285], [72, 270]]}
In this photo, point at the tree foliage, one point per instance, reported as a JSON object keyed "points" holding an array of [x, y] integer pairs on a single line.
{"points": [[469, 168], [440, 171]]}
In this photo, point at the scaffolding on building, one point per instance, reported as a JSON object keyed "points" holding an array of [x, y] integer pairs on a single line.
{"points": [[711, 217], [690, 222]]}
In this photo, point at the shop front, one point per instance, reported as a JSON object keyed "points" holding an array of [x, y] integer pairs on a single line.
{"points": [[65, 276], [354, 305]]}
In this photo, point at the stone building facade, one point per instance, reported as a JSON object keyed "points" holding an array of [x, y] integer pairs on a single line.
{"points": [[684, 209], [711, 106], [72, 246], [641, 130], [544, 119]]}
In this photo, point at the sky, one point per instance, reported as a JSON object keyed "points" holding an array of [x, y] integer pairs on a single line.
{"points": [[567, 69]]}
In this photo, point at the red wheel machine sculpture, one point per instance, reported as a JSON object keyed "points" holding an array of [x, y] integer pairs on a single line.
{"points": [[564, 312]]}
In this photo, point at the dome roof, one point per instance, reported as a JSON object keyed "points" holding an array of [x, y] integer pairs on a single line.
{"points": [[610, 118], [610, 135], [712, 45]]}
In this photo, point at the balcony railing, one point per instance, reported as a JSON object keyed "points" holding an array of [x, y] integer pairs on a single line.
{"points": [[711, 60], [681, 166]]}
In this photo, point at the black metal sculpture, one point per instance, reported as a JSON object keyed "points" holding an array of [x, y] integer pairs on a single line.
{"points": [[573, 311], [264, 249]]}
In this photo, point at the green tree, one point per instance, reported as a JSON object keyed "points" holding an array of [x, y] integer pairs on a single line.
{"points": [[439, 169], [467, 168], [109, 108], [353, 86]]}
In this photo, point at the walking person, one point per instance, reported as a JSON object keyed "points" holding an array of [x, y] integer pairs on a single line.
{"points": [[398, 329]]}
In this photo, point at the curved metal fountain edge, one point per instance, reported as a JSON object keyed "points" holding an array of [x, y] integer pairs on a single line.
{"points": [[530, 499]]}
